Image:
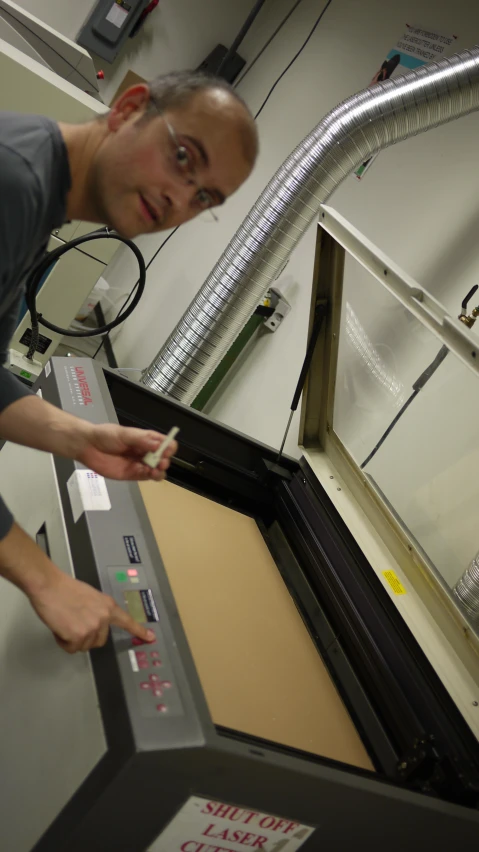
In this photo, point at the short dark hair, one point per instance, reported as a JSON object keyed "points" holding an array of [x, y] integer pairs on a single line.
{"points": [[175, 89]]}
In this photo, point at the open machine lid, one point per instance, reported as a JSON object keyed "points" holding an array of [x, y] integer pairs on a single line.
{"points": [[395, 372]]}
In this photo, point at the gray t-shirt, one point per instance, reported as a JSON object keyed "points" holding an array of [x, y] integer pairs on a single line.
{"points": [[34, 182]]}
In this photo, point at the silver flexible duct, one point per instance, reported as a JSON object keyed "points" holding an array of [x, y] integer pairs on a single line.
{"points": [[466, 589], [349, 135]]}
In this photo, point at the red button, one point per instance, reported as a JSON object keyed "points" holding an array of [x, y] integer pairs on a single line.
{"points": [[156, 663], [145, 685], [157, 690], [132, 572], [154, 655], [143, 664], [141, 655], [161, 708], [166, 684], [137, 641]]}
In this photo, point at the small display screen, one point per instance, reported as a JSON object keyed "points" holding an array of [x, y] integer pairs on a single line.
{"points": [[141, 605]]}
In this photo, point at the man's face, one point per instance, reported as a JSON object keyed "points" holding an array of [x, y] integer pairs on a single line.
{"points": [[141, 184]]}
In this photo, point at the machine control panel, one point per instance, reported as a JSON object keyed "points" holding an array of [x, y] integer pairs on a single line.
{"points": [[123, 555], [146, 665]]}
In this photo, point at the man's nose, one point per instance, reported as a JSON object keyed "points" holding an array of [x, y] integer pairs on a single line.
{"points": [[183, 194]]}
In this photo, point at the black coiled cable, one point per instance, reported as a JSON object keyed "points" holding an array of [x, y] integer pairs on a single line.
{"points": [[39, 271]]}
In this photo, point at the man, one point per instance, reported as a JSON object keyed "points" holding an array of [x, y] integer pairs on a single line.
{"points": [[164, 153]]}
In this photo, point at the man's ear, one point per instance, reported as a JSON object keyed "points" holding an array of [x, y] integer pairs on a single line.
{"points": [[130, 103]]}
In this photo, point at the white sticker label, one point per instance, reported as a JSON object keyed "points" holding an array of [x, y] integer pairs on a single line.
{"points": [[117, 15], [39, 393], [88, 493], [133, 661], [203, 825], [48, 369]]}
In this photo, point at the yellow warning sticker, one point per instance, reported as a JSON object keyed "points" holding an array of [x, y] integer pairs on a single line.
{"points": [[394, 582]]}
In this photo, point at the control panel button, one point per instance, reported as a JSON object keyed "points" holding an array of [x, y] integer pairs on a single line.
{"points": [[166, 684], [154, 655], [155, 679], [121, 576], [143, 664], [132, 572], [156, 663], [145, 685], [136, 641], [161, 708], [141, 655], [157, 691]]}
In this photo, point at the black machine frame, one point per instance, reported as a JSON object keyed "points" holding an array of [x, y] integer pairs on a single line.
{"points": [[425, 755], [309, 540]]}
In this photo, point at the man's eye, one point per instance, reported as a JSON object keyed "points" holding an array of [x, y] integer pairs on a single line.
{"points": [[205, 200], [182, 157]]}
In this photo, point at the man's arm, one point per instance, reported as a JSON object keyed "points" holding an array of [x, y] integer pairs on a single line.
{"points": [[33, 422], [111, 450], [78, 615]]}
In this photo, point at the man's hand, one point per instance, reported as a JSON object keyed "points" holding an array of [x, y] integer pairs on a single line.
{"points": [[116, 452], [78, 615], [113, 451]]}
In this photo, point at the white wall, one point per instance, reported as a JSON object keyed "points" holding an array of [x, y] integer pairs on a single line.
{"points": [[65, 16], [427, 186], [179, 34]]}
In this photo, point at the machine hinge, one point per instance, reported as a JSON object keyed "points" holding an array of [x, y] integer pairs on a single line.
{"points": [[425, 768]]}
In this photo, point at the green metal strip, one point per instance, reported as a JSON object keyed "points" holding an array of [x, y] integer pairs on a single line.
{"points": [[229, 359]]}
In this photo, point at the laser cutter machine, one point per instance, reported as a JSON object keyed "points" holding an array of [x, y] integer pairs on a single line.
{"points": [[308, 688]]}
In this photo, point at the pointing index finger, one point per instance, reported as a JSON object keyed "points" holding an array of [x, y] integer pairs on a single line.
{"points": [[120, 618]]}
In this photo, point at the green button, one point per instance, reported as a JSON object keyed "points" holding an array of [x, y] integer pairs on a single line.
{"points": [[121, 577], [25, 375]]}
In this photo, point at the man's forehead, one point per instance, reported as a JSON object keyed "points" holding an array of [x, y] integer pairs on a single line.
{"points": [[210, 105]]}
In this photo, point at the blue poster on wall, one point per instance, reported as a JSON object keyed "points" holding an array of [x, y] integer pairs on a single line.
{"points": [[417, 46]]}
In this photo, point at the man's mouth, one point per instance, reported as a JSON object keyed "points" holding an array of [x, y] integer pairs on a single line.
{"points": [[149, 212]]}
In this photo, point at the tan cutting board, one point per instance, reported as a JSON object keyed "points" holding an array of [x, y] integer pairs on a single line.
{"points": [[259, 669]]}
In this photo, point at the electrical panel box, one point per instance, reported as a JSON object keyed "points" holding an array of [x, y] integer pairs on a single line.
{"points": [[213, 64], [109, 25]]}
